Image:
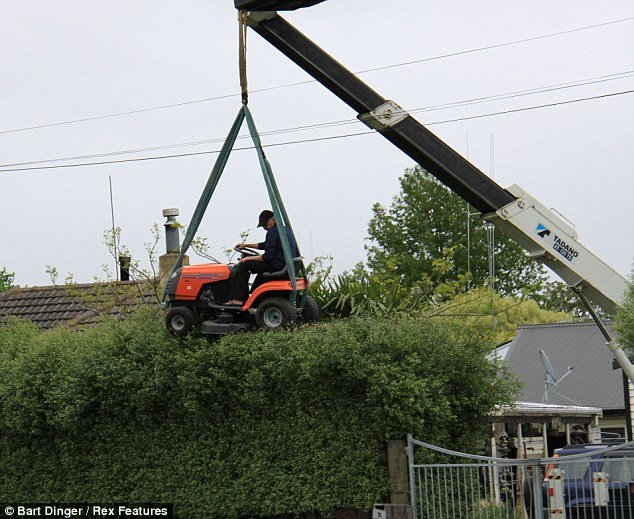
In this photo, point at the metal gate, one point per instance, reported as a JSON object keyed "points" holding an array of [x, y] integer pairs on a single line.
{"points": [[595, 485]]}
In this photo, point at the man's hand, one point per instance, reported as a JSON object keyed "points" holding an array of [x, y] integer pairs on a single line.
{"points": [[241, 245], [250, 258]]}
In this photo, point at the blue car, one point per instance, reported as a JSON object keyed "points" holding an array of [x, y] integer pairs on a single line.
{"points": [[596, 487]]}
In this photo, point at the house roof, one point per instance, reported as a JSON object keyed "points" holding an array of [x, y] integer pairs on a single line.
{"points": [[74, 305], [592, 383], [532, 412]]}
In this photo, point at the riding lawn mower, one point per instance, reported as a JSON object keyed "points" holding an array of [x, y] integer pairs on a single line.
{"points": [[195, 295]]}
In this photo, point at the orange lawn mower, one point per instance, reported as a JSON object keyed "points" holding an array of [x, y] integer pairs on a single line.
{"points": [[195, 296]]}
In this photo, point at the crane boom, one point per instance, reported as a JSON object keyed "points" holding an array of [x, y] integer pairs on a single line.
{"points": [[391, 121], [545, 236]]}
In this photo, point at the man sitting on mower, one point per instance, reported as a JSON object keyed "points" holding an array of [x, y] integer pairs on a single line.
{"points": [[272, 260]]}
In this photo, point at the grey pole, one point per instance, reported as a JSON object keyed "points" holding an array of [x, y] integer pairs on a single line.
{"points": [[172, 238], [412, 476]]}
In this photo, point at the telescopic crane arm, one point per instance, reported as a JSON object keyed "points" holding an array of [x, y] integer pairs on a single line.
{"points": [[545, 235]]}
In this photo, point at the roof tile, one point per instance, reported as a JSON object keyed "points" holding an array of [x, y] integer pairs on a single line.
{"points": [[56, 305]]}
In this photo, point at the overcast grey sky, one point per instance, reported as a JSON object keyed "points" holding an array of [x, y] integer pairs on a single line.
{"points": [[68, 60]]}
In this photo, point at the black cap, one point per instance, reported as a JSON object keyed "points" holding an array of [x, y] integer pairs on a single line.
{"points": [[264, 217]]}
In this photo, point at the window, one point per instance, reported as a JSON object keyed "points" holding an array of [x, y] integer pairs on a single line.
{"points": [[612, 434]]}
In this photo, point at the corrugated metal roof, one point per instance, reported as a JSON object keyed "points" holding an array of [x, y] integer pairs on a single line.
{"points": [[73, 305], [534, 408], [593, 382]]}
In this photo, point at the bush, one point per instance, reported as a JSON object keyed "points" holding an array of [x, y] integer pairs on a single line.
{"points": [[625, 317], [257, 424]]}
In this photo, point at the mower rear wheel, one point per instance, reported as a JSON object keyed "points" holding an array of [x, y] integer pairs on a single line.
{"points": [[180, 321], [310, 313], [275, 313]]}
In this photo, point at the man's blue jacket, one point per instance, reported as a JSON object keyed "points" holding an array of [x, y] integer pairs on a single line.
{"points": [[272, 246]]}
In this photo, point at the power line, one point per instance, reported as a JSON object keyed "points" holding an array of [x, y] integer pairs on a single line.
{"points": [[548, 105], [317, 139], [497, 45], [118, 114], [277, 87], [531, 91], [330, 124]]}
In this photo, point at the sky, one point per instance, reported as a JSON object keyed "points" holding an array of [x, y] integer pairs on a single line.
{"points": [[70, 60]]}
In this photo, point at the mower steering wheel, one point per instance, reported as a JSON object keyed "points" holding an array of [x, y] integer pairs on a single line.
{"points": [[247, 251]]}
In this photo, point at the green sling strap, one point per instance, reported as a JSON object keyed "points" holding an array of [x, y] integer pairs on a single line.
{"points": [[279, 211]]}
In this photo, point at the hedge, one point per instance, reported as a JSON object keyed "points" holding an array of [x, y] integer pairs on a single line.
{"points": [[257, 424]]}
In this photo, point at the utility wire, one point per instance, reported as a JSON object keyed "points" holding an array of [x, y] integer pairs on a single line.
{"points": [[496, 46], [118, 114], [318, 139], [298, 83], [531, 91], [520, 93]]}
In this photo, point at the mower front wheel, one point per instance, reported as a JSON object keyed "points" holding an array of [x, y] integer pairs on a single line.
{"points": [[179, 321], [275, 313]]}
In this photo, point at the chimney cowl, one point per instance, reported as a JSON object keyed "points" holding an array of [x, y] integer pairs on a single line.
{"points": [[173, 211], [172, 238]]}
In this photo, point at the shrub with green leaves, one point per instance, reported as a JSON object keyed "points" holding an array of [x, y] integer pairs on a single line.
{"points": [[625, 317], [361, 293], [257, 424], [6, 279]]}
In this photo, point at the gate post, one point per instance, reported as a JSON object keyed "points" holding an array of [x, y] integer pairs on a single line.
{"points": [[397, 467], [538, 503], [412, 476]]}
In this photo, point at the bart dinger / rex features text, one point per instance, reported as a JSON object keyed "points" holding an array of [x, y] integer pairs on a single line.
{"points": [[70, 511]]}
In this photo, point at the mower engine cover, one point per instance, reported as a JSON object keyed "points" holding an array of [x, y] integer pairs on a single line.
{"points": [[273, 5]]}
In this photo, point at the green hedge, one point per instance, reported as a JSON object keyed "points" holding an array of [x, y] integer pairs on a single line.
{"points": [[256, 424]]}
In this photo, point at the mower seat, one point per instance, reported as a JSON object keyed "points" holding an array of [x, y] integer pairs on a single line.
{"points": [[297, 262]]}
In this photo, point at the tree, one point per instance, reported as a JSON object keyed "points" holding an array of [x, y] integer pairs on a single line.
{"points": [[625, 318], [6, 279], [558, 296], [498, 324], [425, 220]]}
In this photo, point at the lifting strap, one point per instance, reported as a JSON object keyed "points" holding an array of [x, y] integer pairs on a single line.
{"points": [[279, 211], [242, 56], [281, 217]]}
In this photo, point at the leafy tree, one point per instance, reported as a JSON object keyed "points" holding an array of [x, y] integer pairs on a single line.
{"points": [[625, 317], [498, 324], [6, 279], [424, 220], [558, 296], [361, 293]]}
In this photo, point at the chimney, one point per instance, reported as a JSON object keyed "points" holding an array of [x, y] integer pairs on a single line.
{"points": [[124, 267], [172, 244]]}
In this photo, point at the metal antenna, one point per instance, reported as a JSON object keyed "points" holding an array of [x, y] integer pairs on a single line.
{"points": [[114, 234], [312, 253], [468, 220], [550, 379], [491, 252]]}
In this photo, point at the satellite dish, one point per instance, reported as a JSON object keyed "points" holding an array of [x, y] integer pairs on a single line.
{"points": [[550, 372], [550, 378]]}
